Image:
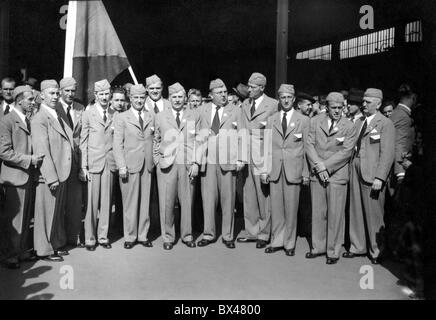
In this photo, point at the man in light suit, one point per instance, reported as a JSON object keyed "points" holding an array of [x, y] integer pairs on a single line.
{"points": [[372, 160], [7, 99], [285, 169], [133, 151], [329, 148], [155, 101], [174, 152], [219, 151], [53, 138], [257, 206], [17, 174], [71, 112], [98, 166]]}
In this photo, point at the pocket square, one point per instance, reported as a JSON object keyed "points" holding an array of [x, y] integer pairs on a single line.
{"points": [[374, 131], [335, 129], [152, 129], [341, 139], [374, 138], [235, 124], [192, 131], [292, 124], [298, 135], [263, 123]]}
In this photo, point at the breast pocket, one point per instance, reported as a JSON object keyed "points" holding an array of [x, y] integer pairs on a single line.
{"points": [[374, 139]]}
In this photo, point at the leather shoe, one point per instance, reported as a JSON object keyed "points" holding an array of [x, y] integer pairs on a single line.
{"points": [[375, 260], [146, 243], [245, 239], [204, 242], [332, 260], [311, 255], [29, 257], [167, 245], [80, 245], [91, 248], [106, 245], [229, 244], [189, 244], [351, 255], [290, 252], [260, 244], [273, 249], [53, 258], [128, 245], [62, 253]]}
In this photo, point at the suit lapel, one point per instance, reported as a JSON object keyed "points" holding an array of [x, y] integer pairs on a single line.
{"points": [[227, 111], [325, 126], [20, 123], [171, 120], [57, 126], [96, 115], [60, 110], [260, 108], [277, 122], [132, 119], [208, 114], [294, 120], [110, 115], [246, 108], [373, 123]]}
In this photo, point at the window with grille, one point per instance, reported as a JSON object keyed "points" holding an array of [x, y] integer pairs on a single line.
{"points": [[321, 53], [372, 43], [413, 32]]}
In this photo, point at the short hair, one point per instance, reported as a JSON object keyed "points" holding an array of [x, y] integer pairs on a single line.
{"points": [[195, 92], [405, 90], [388, 103], [118, 90], [8, 79]]}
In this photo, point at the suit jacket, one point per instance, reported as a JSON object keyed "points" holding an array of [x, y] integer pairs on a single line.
{"points": [[76, 114], [252, 130], [15, 150], [173, 145], [150, 104], [227, 138], [96, 140], [287, 148], [2, 113], [377, 151], [404, 135], [49, 139], [133, 147], [331, 151]]}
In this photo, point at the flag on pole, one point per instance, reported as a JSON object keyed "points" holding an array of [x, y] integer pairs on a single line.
{"points": [[93, 50]]}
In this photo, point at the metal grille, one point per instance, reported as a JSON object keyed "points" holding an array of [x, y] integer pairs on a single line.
{"points": [[414, 32], [321, 53]]}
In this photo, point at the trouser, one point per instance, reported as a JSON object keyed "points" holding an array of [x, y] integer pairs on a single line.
{"points": [[257, 205], [99, 207], [284, 211], [174, 182], [136, 204], [73, 203], [366, 214], [216, 185], [49, 227], [328, 218], [18, 212]]}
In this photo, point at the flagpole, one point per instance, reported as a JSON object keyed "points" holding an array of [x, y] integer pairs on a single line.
{"points": [[70, 38], [133, 75]]}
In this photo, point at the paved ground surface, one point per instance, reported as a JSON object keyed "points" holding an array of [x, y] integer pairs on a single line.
{"points": [[214, 272]]}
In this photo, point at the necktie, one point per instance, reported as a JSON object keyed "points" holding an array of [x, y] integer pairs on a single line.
{"points": [[7, 109], [104, 116], [332, 126], [253, 108], [178, 119], [156, 109], [216, 121], [362, 132], [141, 122], [28, 124], [70, 120], [284, 123]]}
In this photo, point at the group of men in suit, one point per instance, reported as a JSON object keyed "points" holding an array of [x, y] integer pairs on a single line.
{"points": [[69, 155]]}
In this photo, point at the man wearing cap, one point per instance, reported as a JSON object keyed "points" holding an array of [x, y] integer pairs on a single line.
{"points": [[17, 174], [257, 207], [174, 153], [7, 99], [53, 138], [285, 169], [133, 151], [71, 112], [372, 160], [304, 103], [155, 101], [98, 165], [241, 92], [329, 148], [219, 154], [355, 97]]}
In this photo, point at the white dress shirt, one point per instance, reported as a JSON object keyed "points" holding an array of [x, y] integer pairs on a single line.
{"points": [[65, 106], [11, 106], [159, 103], [136, 113], [212, 114], [100, 110], [288, 116], [258, 101]]}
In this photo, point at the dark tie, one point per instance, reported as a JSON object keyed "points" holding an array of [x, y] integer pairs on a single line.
{"points": [[284, 122], [141, 122], [178, 119], [70, 120], [359, 140], [216, 121], [331, 127], [28, 124], [104, 116], [156, 109], [253, 108], [7, 109]]}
